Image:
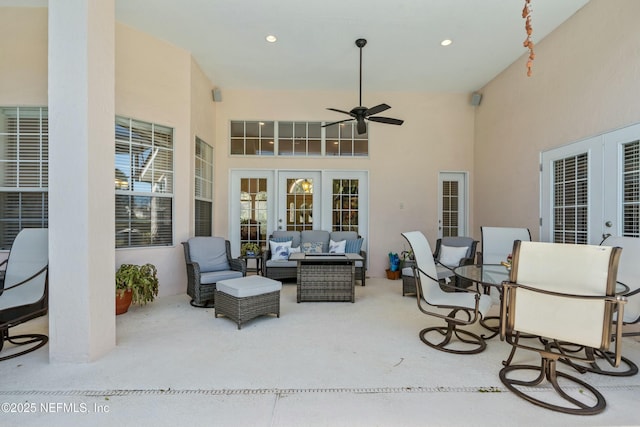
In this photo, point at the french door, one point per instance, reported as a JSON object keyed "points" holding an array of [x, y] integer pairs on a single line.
{"points": [[591, 189], [452, 204], [266, 200]]}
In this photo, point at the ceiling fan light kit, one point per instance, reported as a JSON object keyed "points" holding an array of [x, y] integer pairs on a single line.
{"points": [[361, 113]]}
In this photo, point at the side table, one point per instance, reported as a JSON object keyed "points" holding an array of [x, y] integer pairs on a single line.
{"points": [[258, 260]]}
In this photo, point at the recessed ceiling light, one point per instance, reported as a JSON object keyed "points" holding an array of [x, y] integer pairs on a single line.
{"points": [[271, 38], [445, 42]]}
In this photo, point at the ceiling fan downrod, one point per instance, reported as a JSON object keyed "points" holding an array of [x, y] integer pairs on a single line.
{"points": [[361, 43]]}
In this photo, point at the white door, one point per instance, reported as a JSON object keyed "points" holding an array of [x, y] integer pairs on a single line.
{"points": [[590, 188], [452, 204], [299, 200], [262, 201]]}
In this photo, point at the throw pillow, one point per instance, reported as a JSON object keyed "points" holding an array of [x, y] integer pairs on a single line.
{"points": [[451, 255], [311, 247], [353, 246], [280, 250], [337, 247]]}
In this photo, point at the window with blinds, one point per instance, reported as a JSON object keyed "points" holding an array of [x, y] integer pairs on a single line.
{"points": [[203, 207], [570, 199], [24, 140], [631, 195], [143, 184]]}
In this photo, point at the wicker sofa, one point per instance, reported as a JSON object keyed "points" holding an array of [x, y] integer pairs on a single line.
{"points": [[279, 270]]}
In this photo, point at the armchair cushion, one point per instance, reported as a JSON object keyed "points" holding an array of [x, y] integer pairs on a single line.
{"points": [[209, 252], [212, 277]]}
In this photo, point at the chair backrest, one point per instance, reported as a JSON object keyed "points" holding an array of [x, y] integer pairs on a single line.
{"points": [[450, 252], [210, 253], [29, 254], [567, 269], [497, 242], [628, 272], [424, 261]]}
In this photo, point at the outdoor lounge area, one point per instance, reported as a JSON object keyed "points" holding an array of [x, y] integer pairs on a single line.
{"points": [[131, 129], [324, 364]]}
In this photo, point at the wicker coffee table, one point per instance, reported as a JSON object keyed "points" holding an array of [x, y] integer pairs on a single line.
{"points": [[326, 277]]}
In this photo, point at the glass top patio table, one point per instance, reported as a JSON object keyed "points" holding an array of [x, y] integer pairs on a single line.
{"points": [[484, 274]]}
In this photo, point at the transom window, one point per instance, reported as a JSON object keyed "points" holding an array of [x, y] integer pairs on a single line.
{"points": [[143, 184], [290, 138]]}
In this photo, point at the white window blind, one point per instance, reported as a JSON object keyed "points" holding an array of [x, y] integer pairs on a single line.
{"points": [[571, 198], [143, 184], [24, 175], [631, 197], [203, 206]]}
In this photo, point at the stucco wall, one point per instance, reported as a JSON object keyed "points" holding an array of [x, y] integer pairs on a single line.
{"points": [[403, 164], [584, 83]]}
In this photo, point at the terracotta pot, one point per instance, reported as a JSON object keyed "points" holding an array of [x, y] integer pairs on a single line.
{"points": [[393, 275], [123, 301]]}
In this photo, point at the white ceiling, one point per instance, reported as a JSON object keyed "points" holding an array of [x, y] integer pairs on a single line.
{"points": [[316, 40]]}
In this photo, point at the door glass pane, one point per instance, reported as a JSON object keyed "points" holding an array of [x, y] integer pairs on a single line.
{"points": [[631, 192], [570, 209], [299, 204], [253, 211], [450, 210], [345, 204]]}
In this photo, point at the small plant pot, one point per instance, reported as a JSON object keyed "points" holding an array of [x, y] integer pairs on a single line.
{"points": [[393, 275], [123, 301]]}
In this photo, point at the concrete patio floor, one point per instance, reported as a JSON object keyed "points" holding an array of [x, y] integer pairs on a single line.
{"points": [[319, 364]]}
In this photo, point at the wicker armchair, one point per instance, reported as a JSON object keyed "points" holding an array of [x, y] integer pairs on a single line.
{"points": [[23, 289], [208, 261]]}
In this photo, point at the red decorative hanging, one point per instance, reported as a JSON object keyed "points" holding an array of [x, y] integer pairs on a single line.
{"points": [[526, 13]]}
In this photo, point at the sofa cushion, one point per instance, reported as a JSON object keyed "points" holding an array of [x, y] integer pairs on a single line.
{"points": [[281, 264], [215, 276], [336, 236], [295, 236], [315, 236], [209, 252]]}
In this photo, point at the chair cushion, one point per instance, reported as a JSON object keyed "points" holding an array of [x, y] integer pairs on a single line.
{"points": [[215, 276], [209, 252], [451, 256], [337, 247], [280, 250]]}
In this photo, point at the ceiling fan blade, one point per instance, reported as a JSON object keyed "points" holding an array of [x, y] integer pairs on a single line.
{"points": [[335, 123], [362, 126], [339, 111], [387, 120], [377, 109]]}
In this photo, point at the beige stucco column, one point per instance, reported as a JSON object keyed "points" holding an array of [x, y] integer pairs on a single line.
{"points": [[81, 190]]}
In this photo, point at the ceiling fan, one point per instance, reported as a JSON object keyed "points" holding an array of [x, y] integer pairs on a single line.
{"points": [[360, 113]]}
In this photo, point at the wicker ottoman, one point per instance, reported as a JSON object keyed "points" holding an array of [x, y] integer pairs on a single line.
{"points": [[247, 297]]}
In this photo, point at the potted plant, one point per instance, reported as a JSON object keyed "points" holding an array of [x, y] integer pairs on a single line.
{"points": [[394, 271], [249, 249], [135, 284]]}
